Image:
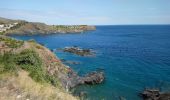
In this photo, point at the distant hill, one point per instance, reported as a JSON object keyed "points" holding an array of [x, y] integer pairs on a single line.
{"points": [[29, 28], [8, 21], [5, 21]]}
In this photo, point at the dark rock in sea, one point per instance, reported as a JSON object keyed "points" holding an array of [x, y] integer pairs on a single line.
{"points": [[63, 60], [78, 51], [52, 50], [94, 78], [74, 80], [100, 69], [152, 94], [70, 62]]}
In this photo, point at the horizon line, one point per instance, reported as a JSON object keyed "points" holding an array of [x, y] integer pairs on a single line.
{"points": [[87, 24]]}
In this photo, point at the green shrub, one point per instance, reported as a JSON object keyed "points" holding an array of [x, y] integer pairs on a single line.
{"points": [[29, 57], [7, 62], [32, 40], [52, 80], [12, 43], [27, 60], [1, 33]]}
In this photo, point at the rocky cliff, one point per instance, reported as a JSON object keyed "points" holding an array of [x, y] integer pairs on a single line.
{"points": [[30, 71], [21, 60]]}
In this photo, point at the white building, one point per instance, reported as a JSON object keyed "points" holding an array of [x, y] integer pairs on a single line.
{"points": [[10, 25], [2, 29], [15, 23], [1, 26]]}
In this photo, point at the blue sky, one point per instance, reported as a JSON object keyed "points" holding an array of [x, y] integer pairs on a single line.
{"points": [[91, 12]]}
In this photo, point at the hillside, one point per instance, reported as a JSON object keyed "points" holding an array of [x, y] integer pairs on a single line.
{"points": [[21, 27], [29, 71]]}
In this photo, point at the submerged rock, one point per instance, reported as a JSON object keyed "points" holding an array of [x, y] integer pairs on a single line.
{"points": [[83, 94], [151, 94], [78, 51], [70, 62], [122, 98]]}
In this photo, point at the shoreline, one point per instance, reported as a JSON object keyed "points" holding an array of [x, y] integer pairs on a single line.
{"points": [[52, 64], [21, 27]]}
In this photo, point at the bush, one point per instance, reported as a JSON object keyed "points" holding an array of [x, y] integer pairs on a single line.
{"points": [[27, 60], [52, 80], [1, 33], [29, 57], [32, 40], [12, 43], [7, 62]]}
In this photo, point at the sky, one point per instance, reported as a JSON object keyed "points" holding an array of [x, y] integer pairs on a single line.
{"points": [[90, 12]]}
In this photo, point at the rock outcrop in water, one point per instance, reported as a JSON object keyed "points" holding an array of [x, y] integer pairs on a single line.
{"points": [[70, 62], [78, 51], [74, 80], [151, 94], [41, 65], [94, 78]]}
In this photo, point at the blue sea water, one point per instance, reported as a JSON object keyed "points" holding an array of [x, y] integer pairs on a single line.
{"points": [[132, 57]]}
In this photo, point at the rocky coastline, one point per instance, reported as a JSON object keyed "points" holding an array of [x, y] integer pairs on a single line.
{"points": [[50, 70], [69, 62], [155, 94], [73, 80], [78, 51], [22, 27]]}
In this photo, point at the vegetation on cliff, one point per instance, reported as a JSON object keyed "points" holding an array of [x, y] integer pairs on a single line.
{"points": [[20, 60], [11, 43]]}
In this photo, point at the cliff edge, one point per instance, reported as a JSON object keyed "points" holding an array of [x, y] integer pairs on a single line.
{"points": [[30, 71]]}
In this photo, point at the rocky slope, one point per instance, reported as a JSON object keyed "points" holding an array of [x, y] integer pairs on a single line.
{"points": [[27, 59], [30, 71], [155, 94]]}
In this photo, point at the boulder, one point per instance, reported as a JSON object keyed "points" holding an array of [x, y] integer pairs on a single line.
{"points": [[73, 80], [94, 78], [78, 51], [152, 94]]}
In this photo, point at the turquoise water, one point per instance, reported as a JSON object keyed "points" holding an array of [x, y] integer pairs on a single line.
{"points": [[132, 57]]}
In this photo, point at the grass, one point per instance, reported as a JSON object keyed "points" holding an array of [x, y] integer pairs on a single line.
{"points": [[30, 61], [27, 60], [29, 89], [7, 63], [63, 27], [1, 33], [23, 74], [12, 43]]}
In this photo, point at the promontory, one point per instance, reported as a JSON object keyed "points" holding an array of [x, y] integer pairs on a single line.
{"points": [[22, 27]]}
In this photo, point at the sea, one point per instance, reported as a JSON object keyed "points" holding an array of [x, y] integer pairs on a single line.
{"points": [[133, 58]]}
